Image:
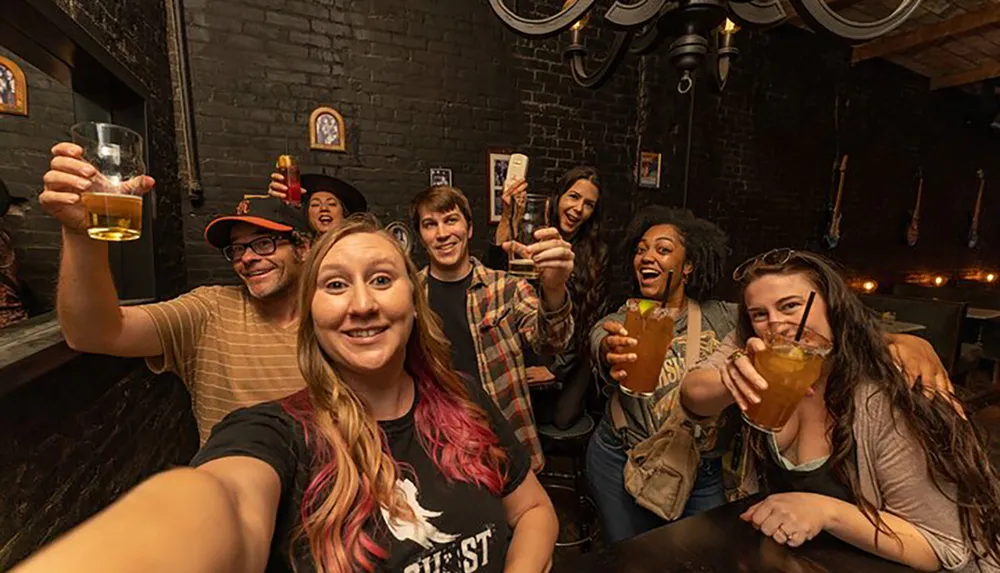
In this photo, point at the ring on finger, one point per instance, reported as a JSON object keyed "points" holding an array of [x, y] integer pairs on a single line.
{"points": [[736, 355]]}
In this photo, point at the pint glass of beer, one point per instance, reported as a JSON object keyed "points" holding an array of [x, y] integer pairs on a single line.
{"points": [[530, 217], [790, 367], [652, 325], [114, 209]]}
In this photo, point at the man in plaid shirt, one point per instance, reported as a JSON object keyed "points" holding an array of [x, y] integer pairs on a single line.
{"points": [[488, 316]]}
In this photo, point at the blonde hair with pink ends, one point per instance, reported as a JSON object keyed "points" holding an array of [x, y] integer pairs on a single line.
{"points": [[353, 473]]}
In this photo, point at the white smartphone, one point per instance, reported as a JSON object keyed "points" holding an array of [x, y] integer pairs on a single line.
{"points": [[517, 168]]}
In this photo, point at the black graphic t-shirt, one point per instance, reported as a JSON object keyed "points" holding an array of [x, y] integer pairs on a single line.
{"points": [[461, 528], [450, 300]]}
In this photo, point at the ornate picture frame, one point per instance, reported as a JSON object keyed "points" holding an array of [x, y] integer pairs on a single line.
{"points": [[497, 161], [327, 131], [13, 88]]}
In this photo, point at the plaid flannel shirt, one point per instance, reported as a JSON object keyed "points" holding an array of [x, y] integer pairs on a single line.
{"points": [[504, 313]]}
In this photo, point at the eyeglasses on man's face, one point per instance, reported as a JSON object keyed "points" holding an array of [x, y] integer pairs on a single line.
{"points": [[263, 246]]}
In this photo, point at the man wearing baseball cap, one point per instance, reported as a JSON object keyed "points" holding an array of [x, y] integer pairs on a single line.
{"points": [[233, 346], [326, 200]]}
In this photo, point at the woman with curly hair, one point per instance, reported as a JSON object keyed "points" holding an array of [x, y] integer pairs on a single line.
{"points": [[574, 209], [384, 462], [863, 457], [663, 240]]}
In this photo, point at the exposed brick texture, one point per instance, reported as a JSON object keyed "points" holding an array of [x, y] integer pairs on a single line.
{"points": [[24, 156], [92, 429], [78, 438]]}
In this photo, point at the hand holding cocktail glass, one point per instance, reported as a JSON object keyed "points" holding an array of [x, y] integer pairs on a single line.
{"points": [[70, 176], [776, 372]]}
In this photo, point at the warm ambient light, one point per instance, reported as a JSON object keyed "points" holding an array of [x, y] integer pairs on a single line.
{"points": [[991, 277], [939, 280], [582, 22], [730, 27], [869, 286]]}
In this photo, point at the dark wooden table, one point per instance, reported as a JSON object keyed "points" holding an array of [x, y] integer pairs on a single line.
{"points": [[718, 541]]}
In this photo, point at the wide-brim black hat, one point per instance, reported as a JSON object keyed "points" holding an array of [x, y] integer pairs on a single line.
{"points": [[6, 199], [262, 211], [349, 196]]}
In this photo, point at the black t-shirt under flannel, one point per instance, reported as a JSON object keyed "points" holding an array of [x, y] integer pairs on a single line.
{"points": [[462, 528]]}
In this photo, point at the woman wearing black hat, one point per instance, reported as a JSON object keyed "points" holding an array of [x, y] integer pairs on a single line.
{"points": [[326, 200], [14, 296]]}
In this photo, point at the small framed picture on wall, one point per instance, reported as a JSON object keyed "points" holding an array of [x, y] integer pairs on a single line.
{"points": [[326, 130], [496, 173], [650, 165], [440, 176], [13, 88]]}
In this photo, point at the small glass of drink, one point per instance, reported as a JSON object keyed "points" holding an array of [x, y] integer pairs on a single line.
{"points": [[790, 368], [531, 216], [114, 209], [652, 325], [289, 169]]}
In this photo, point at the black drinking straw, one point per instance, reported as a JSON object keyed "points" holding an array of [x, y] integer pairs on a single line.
{"points": [[805, 315], [666, 289]]}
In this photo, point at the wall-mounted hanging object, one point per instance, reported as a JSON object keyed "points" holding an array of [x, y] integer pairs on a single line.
{"points": [[440, 176], [402, 233], [13, 88], [913, 229], [497, 162], [326, 130], [974, 228], [832, 236], [650, 164]]}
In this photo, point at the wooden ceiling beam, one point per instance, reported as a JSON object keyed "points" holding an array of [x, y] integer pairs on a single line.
{"points": [[985, 72], [928, 34]]}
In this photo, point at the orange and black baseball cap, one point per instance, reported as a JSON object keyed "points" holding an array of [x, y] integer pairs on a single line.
{"points": [[264, 211]]}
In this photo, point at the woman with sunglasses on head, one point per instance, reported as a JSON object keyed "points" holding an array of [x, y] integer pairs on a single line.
{"points": [[384, 462], [889, 470], [575, 209]]}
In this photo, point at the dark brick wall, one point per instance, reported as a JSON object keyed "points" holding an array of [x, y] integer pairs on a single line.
{"points": [[92, 429], [763, 154], [24, 156], [77, 438]]}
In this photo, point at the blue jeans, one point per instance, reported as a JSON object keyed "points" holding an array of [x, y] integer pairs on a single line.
{"points": [[621, 517]]}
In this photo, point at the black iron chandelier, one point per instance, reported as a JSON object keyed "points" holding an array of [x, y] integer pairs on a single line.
{"points": [[701, 31]]}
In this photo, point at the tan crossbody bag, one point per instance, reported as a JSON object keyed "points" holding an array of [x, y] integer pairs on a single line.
{"points": [[660, 470]]}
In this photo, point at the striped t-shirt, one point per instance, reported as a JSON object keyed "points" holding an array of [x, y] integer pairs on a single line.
{"points": [[228, 355]]}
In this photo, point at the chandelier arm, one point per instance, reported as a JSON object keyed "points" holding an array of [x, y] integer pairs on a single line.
{"points": [[542, 27], [629, 15], [822, 18], [577, 54], [758, 14], [645, 40]]}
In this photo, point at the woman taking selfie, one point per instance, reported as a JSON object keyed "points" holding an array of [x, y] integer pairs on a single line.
{"points": [[862, 457], [383, 462], [575, 209]]}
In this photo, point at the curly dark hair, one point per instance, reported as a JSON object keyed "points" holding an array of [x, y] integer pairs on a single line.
{"points": [[951, 446], [589, 284], [705, 245]]}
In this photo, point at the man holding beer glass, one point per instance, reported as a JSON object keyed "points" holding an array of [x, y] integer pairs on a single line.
{"points": [[490, 317], [233, 346]]}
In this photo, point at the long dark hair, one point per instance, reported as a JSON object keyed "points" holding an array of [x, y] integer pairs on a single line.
{"points": [[589, 285], [950, 443], [705, 245]]}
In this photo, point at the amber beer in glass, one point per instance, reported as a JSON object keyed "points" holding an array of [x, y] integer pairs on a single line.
{"points": [[114, 208], [652, 325], [531, 216], [790, 367]]}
